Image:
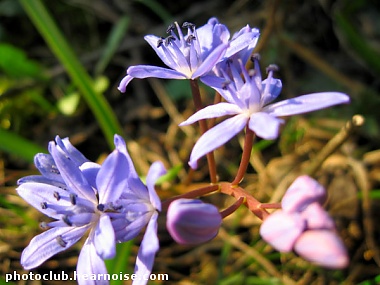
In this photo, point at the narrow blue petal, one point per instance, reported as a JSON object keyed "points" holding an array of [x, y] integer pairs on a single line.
{"points": [[49, 243], [90, 171], [41, 179], [213, 111], [306, 103], [213, 81], [125, 229], [147, 71], [112, 177], [274, 90], [124, 82], [43, 198], [148, 248], [71, 151], [46, 165], [104, 238], [241, 42], [264, 125], [156, 170], [217, 136], [89, 262], [73, 177], [210, 61]]}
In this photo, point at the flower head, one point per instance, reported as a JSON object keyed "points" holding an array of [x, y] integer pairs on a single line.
{"points": [[248, 100], [82, 196], [192, 55], [305, 227], [190, 221]]}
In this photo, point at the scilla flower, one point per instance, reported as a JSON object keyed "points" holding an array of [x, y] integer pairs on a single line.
{"points": [[191, 221], [249, 102], [304, 226], [193, 55], [82, 196]]}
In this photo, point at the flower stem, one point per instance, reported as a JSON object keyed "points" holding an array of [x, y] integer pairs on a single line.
{"points": [[247, 149], [203, 126], [191, 194], [233, 207], [252, 204]]}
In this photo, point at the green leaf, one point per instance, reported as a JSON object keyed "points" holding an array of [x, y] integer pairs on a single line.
{"points": [[17, 145], [62, 50], [121, 261]]}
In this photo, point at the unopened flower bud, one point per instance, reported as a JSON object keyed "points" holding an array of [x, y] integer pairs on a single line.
{"points": [[323, 247], [191, 221], [303, 191], [281, 230]]}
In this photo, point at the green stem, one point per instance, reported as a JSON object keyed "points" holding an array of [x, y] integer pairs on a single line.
{"points": [[203, 126], [62, 50]]}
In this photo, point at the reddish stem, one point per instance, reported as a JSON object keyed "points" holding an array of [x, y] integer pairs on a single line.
{"points": [[247, 149], [232, 208], [203, 126]]}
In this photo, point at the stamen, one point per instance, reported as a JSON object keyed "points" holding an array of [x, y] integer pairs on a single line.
{"points": [[160, 42], [169, 39], [67, 221], [255, 56], [188, 25], [190, 38], [100, 207], [54, 170], [44, 205], [73, 199], [60, 241], [170, 28], [57, 196], [225, 84], [272, 67], [43, 225]]}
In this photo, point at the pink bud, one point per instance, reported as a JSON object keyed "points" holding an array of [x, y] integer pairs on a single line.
{"points": [[303, 191], [281, 230], [317, 218], [191, 221], [322, 247]]}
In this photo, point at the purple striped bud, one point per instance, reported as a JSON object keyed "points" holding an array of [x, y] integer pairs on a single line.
{"points": [[282, 229], [303, 191], [322, 247], [191, 221]]}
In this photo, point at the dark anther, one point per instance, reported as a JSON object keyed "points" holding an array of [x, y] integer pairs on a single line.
{"points": [[43, 225], [54, 169], [57, 196], [73, 199], [225, 84], [169, 39], [188, 25], [44, 205], [60, 241], [160, 41], [272, 67], [170, 28], [100, 207], [190, 38], [255, 56], [67, 221]]}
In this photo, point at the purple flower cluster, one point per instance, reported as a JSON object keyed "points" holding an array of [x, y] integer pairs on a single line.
{"points": [[109, 201], [304, 226]]}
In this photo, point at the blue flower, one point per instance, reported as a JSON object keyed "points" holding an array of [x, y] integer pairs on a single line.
{"points": [[193, 55], [83, 196], [248, 100]]}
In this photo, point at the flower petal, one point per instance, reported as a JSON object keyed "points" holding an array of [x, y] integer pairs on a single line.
{"points": [[112, 180], [216, 136], [147, 71], [128, 226], [71, 151], [306, 103], [148, 248], [73, 177], [281, 230], [124, 82], [244, 40], [104, 238], [212, 111], [322, 247], [264, 125], [156, 170], [210, 61], [89, 262], [47, 167], [49, 243]]}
